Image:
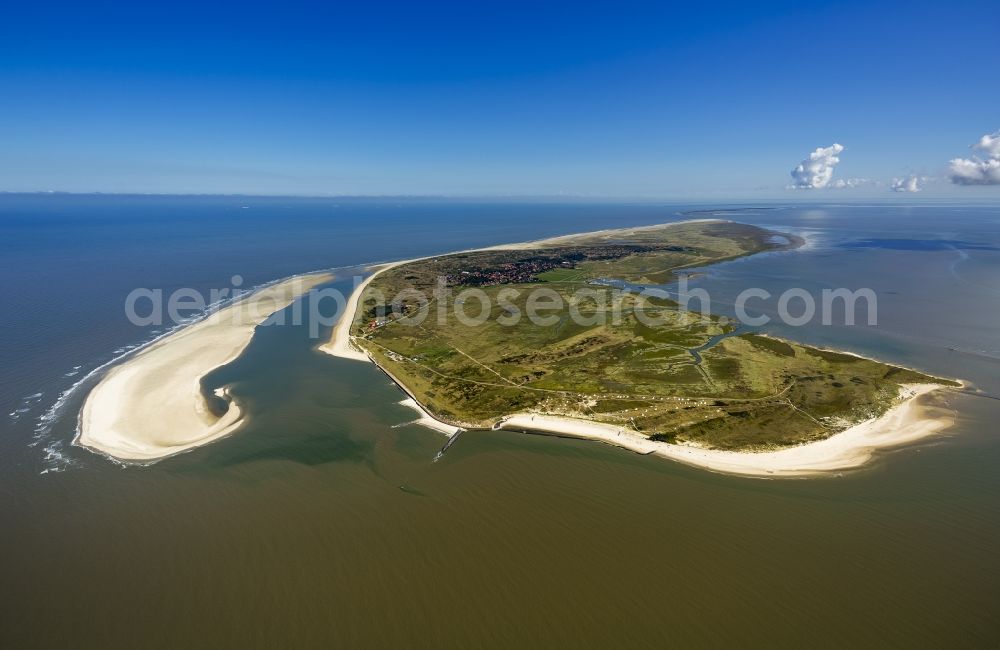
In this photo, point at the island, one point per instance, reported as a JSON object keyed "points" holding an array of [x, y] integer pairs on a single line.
{"points": [[611, 362]]}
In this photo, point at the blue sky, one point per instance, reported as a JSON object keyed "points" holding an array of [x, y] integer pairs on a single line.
{"points": [[617, 99]]}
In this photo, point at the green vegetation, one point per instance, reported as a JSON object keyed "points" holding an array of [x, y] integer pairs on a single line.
{"points": [[564, 275], [609, 355]]}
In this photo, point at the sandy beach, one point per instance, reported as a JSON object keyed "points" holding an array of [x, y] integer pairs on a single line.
{"points": [[151, 406], [904, 423], [425, 419], [340, 343]]}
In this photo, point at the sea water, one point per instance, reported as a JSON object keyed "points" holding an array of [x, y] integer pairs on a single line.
{"points": [[324, 521]]}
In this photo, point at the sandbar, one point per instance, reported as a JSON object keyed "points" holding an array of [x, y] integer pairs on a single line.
{"points": [[151, 406]]}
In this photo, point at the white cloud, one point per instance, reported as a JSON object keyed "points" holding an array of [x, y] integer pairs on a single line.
{"points": [[989, 143], [909, 184], [851, 183], [973, 171], [816, 171], [976, 170]]}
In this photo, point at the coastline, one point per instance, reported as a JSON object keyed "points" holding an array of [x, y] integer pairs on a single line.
{"points": [[425, 419], [152, 406], [341, 343], [904, 423]]}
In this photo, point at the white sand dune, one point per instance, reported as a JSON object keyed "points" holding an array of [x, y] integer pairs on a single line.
{"points": [[151, 406]]}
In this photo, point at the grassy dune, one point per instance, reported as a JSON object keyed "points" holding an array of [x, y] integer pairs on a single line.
{"points": [[642, 364]]}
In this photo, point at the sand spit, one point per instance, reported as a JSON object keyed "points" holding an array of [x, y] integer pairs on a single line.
{"points": [[341, 342], [427, 420], [151, 406]]}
